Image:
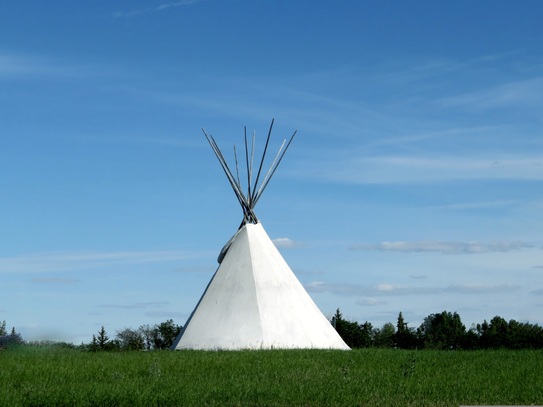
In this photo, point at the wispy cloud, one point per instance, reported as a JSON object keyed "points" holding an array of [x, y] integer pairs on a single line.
{"points": [[210, 268], [137, 305], [466, 206], [432, 69], [161, 7], [165, 6], [23, 65], [481, 288], [445, 247], [416, 170], [364, 291], [13, 65], [526, 94], [31, 66], [168, 314], [63, 261], [54, 280], [384, 289]]}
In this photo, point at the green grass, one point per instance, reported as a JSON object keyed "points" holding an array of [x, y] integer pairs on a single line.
{"points": [[369, 377]]}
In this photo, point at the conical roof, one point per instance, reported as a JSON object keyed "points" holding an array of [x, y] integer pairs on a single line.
{"points": [[254, 301]]}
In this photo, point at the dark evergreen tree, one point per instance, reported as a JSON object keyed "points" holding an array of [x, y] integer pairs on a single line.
{"points": [[405, 337], [102, 340], [11, 340], [93, 346], [367, 334]]}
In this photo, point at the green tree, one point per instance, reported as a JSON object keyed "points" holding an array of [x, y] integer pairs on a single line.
{"points": [[533, 335], [164, 334], [512, 335], [93, 346], [404, 337], [102, 340], [442, 331], [130, 339], [471, 339], [494, 334], [384, 337], [367, 334], [147, 333], [11, 339], [352, 333]]}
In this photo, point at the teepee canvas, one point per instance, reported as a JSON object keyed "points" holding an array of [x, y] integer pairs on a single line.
{"points": [[254, 300]]}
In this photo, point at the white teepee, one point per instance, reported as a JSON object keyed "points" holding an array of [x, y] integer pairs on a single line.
{"points": [[254, 300]]}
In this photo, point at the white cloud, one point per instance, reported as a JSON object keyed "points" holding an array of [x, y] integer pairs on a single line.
{"points": [[338, 289], [390, 289], [285, 243], [445, 247], [370, 302]]}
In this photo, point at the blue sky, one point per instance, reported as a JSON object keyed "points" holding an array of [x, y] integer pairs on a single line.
{"points": [[414, 183]]}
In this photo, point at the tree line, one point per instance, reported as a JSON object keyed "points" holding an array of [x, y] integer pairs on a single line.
{"points": [[443, 330], [146, 337], [158, 337]]}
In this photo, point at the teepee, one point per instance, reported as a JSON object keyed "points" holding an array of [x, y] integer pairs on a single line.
{"points": [[254, 300]]}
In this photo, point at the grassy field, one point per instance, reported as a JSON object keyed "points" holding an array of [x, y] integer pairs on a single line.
{"points": [[369, 377]]}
